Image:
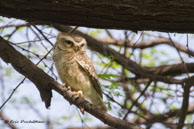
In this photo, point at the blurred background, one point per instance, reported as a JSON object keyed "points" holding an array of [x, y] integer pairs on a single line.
{"points": [[157, 107]]}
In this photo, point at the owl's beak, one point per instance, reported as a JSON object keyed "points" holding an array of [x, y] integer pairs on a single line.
{"points": [[76, 48]]}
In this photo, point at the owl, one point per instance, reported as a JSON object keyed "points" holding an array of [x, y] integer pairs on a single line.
{"points": [[75, 69]]}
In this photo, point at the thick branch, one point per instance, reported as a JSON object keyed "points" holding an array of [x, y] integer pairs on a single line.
{"points": [[175, 69], [45, 83], [10, 55], [185, 104], [159, 41], [152, 118], [168, 16]]}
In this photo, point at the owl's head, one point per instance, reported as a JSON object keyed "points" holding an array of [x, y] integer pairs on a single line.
{"points": [[71, 42]]}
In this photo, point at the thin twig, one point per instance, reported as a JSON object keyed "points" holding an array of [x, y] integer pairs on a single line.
{"points": [[12, 93], [22, 81], [187, 45], [71, 31], [129, 110], [109, 34], [43, 35], [138, 38], [82, 120], [179, 55]]}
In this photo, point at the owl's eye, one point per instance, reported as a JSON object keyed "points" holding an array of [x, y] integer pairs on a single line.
{"points": [[69, 42], [66, 41], [82, 45]]}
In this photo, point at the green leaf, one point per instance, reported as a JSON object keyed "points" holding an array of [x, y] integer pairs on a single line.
{"points": [[6, 37], [106, 86], [107, 76], [127, 73], [146, 55], [108, 105], [88, 119], [114, 85], [173, 107], [101, 56], [115, 65], [153, 51], [25, 99], [189, 118], [152, 63], [95, 32], [129, 103], [117, 94], [21, 28], [13, 101], [8, 72], [65, 118]]}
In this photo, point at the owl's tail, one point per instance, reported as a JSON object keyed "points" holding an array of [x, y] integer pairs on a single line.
{"points": [[99, 103]]}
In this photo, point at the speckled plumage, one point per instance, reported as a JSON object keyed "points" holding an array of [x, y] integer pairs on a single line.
{"points": [[75, 68]]}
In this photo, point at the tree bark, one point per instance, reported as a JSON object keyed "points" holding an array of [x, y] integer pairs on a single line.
{"points": [[155, 15]]}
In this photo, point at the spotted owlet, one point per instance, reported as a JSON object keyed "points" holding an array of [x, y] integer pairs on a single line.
{"points": [[75, 69]]}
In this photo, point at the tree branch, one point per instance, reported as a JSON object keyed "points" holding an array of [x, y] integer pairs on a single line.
{"points": [[185, 104], [6, 120], [172, 70], [168, 16], [151, 118], [45, 84], [159, 41], [10, 55]]}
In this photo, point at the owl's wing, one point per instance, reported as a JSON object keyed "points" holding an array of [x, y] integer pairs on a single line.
{"points": [[87, 65]]}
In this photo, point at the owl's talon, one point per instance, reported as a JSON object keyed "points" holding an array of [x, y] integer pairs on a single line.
{"points": [[81, 94], [78, 94], [68, 88]]}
